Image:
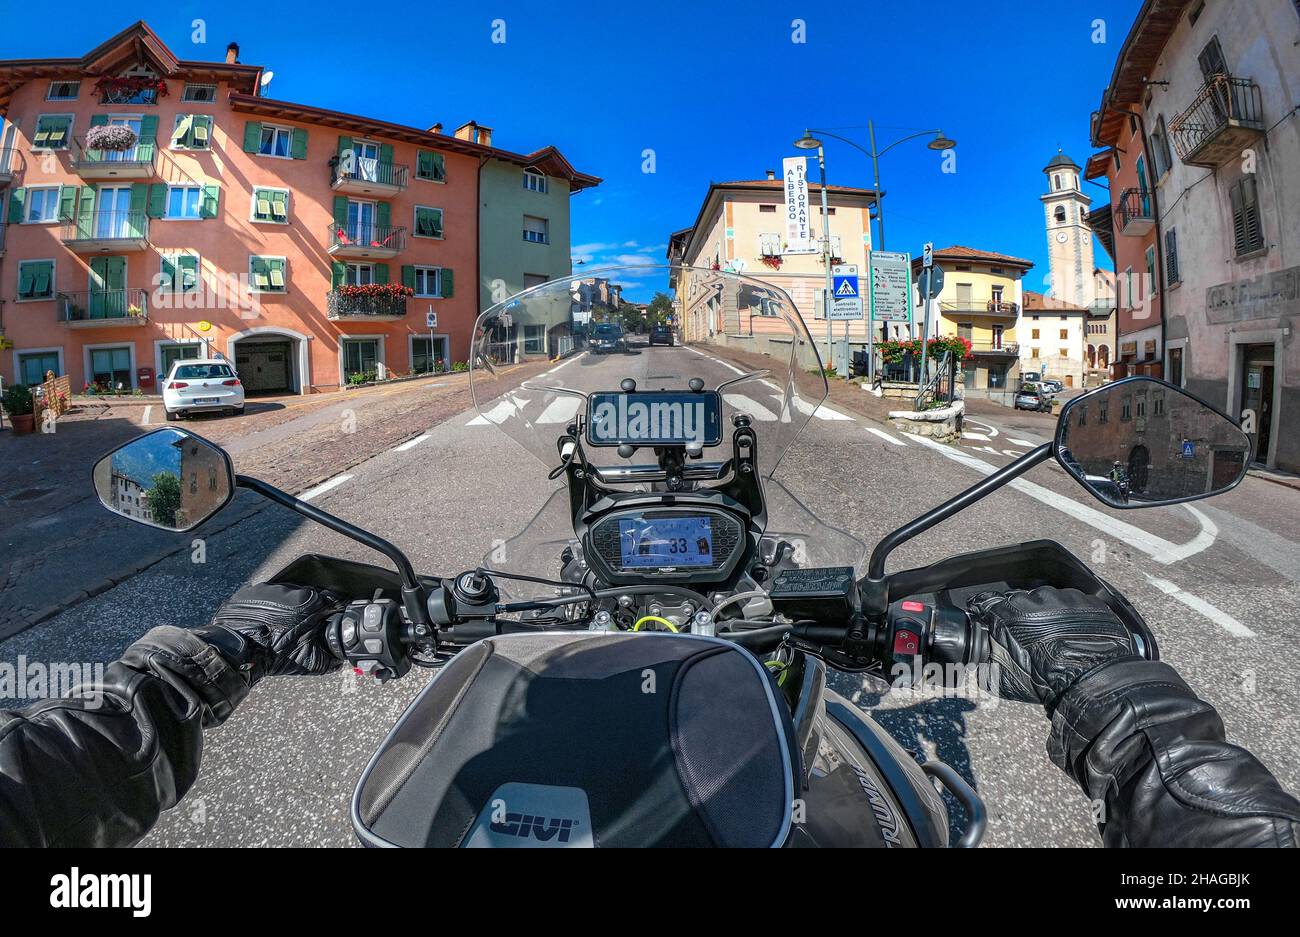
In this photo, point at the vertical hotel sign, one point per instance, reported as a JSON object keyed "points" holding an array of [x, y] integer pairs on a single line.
{"points": [[798, 234]]}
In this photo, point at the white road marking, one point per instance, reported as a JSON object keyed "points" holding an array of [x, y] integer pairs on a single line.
{"points": [[990, 430], [411, 443], [324, 487], [1022, 442], [887, 437], [144, 419], [569, 360], [704, 354], [1158, 548], [500, 413], [822, 412], [1197, 604], [749, 405], [560, 410], [979, 436]]}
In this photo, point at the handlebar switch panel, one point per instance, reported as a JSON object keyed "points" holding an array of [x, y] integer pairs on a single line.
{"points": [[370, 635]]}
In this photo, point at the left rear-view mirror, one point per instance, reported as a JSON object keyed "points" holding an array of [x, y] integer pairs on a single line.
{"points": [[169, 479], [1141, 442]]}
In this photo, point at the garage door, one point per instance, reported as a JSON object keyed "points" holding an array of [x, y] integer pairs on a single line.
{"points": [[264, 367]]}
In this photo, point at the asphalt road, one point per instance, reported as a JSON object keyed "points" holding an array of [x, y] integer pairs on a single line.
{"points": [[1218, 581]]}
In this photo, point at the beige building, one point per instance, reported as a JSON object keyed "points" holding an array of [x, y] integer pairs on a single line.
{"points": [[741, 228]]}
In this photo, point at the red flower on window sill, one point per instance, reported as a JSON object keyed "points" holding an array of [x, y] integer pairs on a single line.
{"points": [[393, 290], [772, 260]]}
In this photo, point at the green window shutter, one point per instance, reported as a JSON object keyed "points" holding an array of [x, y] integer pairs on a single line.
{"points": [[448, 283], [67, 202], [17, 198], [99, 120], [261, 204], [86, 211], [338, 274], [340, 209], [115, 273], [211, 199], [383, 215], [258, 269], [139, 197], [157, 200], [345, 144], [201, 132], [168, 271], [280, 206], [182, 132], [298, 143], [252, 136], [381, 273], [408, 276], [439, 167], [424, 164], [189, 270], [275, 268], [386, 153], [44, 285], [26, 280], [148, 137]]}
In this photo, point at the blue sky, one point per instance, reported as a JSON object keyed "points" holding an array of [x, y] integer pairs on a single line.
{"points": [[717, 90]]}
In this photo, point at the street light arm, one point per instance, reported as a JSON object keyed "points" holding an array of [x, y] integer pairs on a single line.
{"points": [[921, 133], [856, 146]]}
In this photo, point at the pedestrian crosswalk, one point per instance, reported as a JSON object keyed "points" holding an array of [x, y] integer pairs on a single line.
{"points": [[563, 409]]}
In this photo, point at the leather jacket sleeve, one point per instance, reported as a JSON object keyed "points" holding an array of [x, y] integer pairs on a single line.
{"points": [[1154, 760], [96, 768]]}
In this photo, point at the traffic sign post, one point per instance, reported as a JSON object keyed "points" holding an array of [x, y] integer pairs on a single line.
{"points": [[846, 305], [931, 285], [891, 295]]}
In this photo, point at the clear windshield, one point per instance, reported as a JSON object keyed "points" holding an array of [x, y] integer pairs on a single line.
{"points": [[539, 355]]}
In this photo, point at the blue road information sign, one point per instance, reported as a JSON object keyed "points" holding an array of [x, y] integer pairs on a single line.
{"points": [[1189, 449], [846, 296], [891, 286]]}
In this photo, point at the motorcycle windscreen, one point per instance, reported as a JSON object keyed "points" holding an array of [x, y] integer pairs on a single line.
{"points": [[540, 355]]}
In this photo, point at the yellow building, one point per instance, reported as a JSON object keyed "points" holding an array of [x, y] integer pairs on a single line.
{"points": [[741, 228], [981, 302]]}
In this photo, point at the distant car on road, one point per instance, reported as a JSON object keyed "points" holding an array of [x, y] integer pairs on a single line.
{"points": [[1033, 397], [661, 335], [202, 385], [608, 337]]}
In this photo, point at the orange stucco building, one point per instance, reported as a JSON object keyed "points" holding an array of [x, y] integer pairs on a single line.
{"points": [[156, 208]]}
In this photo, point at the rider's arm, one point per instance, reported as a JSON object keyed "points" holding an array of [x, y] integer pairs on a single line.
{"points": [[1150, 754], [97, 768]]}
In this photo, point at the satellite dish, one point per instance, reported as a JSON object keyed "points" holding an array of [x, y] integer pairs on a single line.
{"points": [[266, 78]]}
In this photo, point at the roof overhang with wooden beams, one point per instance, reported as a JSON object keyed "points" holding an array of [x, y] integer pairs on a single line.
{"points": [[1155, 23], [548, 160], [135, 45], [1098, 164]]}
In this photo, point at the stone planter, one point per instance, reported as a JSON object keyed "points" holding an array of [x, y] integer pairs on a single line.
{"points": [[942, 425]]}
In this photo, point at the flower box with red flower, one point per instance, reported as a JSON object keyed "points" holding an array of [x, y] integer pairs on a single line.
{"points": [[368, 302]]}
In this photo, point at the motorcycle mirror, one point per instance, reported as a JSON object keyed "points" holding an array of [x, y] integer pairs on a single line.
{"points": [[170, 478], [1141, 442]]}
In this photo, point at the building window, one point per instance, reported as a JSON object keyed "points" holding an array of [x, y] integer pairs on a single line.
{"points": [[1083, 414], [1151, 271], [1065, 334], [1033, 352], [271, 205], [536, 230], [359, 274], [534, 181], [1059, 214], [1128, 283], [199, 94], [1171, 256], [1247, 234], [534, 279], [534, 339], [266, 274], [192, 132], [184, 201], [1056, 181], [35, 279], [180, 273], [1126, 409], [767, 208], [63, 91], [52, 132], [1063, 353], [1160, 149], [1158, 404], [1033, 333], [428, 222], [275, 141], [431, 166], [33, 366], [111, 367], [360, 357], [428, 282], [42, 204]]}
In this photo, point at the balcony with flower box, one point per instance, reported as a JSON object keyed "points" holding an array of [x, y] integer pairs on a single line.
{"points": [[366, 240], [373, 302], [103, 308], [106, 232], [113, 152], [1224, 118]]}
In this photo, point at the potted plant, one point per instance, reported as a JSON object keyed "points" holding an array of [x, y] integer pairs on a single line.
{"points": [[19, 405], [114, 137]]}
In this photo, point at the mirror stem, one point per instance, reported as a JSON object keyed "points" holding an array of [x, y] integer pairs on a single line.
{"points": [[413, 598], [887, 544]]}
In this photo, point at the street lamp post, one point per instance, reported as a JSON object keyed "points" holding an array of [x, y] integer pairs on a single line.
{"points": [[807, 143], [939, 143]]}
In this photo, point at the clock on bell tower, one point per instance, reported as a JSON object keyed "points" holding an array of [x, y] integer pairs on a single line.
{"points": [[1069, 239]]}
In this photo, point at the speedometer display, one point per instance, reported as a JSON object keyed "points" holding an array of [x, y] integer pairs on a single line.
{"points": [[665, 541]]}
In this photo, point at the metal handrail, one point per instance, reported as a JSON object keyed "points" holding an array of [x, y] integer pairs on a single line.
{"points": [[1221, 99], [339, 304], [931, 387], [144, 152], [366, 169], [91, 305], [1134, 205], [377, 236], [106, 225]]}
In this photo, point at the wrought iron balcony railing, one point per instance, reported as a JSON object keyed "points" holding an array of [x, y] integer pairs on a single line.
{"points": [[995, 348], [988, 307], [111, 307], [1136, 215], [366, 240], [1223, 118], [362, 170], [98, 226], [113, 162], [340, 304]]}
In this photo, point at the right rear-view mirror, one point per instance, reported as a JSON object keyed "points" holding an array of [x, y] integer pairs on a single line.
{"points": [[1141, 442]]}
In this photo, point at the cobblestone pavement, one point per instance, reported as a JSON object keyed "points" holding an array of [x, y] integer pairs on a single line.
{"points": [[58, 547]]}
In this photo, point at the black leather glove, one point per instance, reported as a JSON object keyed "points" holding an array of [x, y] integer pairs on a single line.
{"points": [[275, 629], [1046, 640]]}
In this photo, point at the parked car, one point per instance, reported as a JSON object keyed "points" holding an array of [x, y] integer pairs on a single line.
{"points": [[607, 337], [1033, 397], [661, 335], [202, 385], [1051, 385]]}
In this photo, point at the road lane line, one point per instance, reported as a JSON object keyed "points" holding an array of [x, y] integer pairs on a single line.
{"points": [[498, 414], [560, 410], [1022, 442], [820, 412], [980, 436], [704, 354], [324, 487], [1199, 605], [887, 437], [750, 406], [1158, 548], [411, 443], [144, 419]]}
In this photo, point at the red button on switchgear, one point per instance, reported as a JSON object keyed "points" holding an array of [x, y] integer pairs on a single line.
{"points": [[913, 607], [905, 642]]}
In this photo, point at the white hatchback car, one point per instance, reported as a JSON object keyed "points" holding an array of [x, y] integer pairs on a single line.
{"points": [[202, 385]]}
